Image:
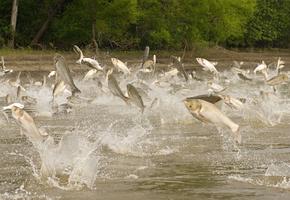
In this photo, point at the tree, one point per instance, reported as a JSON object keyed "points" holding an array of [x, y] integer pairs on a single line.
{"points": [[112, 20], [51, 13], [13, 22], [270, 24]]}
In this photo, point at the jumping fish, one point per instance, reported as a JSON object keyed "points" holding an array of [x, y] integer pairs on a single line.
{"points": [[90, 74], [51, 74], [207, 65], [135, 97], [25, 98], [3, 69], [208, 113], [277, 80], [58, 88], [280, 65], [17, 82], [26, 123], [63, 73], [145, 55], [120, 65], [260, 67], [150, 64], [115, 89], [92, 63]]}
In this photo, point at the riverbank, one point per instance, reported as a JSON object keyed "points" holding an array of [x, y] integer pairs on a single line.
{"points": [[42, 60]]}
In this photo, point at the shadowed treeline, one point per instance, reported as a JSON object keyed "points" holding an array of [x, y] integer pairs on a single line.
{"points": [[133, 24]]}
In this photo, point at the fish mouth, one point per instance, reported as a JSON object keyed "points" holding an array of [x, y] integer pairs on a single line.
{"points": [[185, 101]]}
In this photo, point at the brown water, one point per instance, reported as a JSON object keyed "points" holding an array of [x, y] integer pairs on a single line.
{"points": [[108, 150]]}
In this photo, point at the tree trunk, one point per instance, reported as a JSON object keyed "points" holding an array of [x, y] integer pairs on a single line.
{"points": [[41, 31], [13, 23], [44, 26]]}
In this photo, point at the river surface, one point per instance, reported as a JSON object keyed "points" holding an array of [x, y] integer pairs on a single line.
{"points": [[106, 149]]}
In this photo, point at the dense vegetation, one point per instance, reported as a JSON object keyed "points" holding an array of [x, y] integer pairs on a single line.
{"points": [[161, 24]]}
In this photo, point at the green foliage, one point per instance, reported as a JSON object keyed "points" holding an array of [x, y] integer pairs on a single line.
{"points": [[5, 7], [112, 19], [30, 17], [161, 24], [71, 26], [270, 24], [176, 23]]}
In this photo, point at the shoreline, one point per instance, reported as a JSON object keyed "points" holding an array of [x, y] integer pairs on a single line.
{"points": [[42, 60]]}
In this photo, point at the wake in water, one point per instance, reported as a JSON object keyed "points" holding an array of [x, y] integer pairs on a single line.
{"points": [[76, 159]]}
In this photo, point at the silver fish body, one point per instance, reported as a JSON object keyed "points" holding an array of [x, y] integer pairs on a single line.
{"points": [[58, 88], [208, 113], [135, 97], [64, 74], [115, 89], [277, 80], [145, 55], [27, 125]]}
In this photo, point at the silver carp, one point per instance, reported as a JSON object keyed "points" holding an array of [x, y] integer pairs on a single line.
{"points": [[64, 74], [208, 113], [135, 97], [180, 67], [26, 123], [145, 55], [115, 89]]}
